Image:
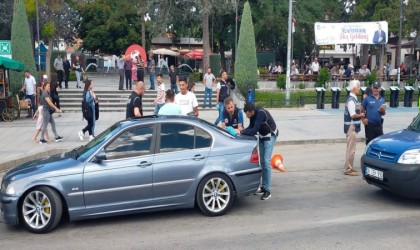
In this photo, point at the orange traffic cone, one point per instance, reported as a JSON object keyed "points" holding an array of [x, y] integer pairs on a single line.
{"points": [[277, 162]]}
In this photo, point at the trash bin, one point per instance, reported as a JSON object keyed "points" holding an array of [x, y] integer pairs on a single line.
{"points": [[251, 96], [382, 93], [408, 96], [394, 98], [348, 92], [320, 95], [335, 103]]}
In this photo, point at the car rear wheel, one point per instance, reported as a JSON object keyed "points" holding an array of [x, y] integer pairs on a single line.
{"points": [[215, 195], [41, 210]]}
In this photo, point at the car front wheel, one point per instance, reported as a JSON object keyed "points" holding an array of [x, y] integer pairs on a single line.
{"points": [[215, 195], [41, 210]]}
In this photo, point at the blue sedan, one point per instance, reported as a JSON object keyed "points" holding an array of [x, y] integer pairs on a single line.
{"points": [[392, 161], [139, 165]]}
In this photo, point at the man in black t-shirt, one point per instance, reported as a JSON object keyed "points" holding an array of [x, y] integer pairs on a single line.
{"points": [[134, 102], [173, 76]]}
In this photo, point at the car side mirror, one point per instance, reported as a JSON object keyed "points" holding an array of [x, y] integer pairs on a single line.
{"points": [[100, 156]]}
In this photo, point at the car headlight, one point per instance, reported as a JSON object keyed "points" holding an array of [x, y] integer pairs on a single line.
{"points": [[7, 188], [411, 156]]}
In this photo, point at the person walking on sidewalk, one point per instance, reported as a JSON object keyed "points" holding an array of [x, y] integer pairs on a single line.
{"points": [[38, 127], [58, 65], [78, 69], [90, 98], [352, 116], [160, 99], [134, 102], [121, 71], [209, 80], [221, 95], [374, 109], [30, 91], [55, 98], [48, 109], [262, 123]]}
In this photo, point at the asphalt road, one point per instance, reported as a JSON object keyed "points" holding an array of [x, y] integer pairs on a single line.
{"points": [[314, 206]]}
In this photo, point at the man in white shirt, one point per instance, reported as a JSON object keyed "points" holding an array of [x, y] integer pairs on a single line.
{"points": [[30, 90], [315, 66], [186, 99], [209, 81], [160, 99], [58, 65]]}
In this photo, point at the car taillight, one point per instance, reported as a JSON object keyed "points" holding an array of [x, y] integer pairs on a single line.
{"points": [[254, 156]]}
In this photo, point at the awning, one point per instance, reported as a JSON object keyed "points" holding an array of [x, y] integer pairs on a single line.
{"points": [[11, 64], [165, 52]]}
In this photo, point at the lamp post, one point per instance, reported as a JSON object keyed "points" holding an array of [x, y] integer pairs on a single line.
{"points": [[399, 43], [39, 45], [236, 25], [289, 52]]}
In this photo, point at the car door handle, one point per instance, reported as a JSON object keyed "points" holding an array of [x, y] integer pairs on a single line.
{"points": [[144, 164], [198, 157]]}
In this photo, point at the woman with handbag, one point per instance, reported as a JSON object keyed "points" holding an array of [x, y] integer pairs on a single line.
{"points": [[48, 109], [88, 108]]}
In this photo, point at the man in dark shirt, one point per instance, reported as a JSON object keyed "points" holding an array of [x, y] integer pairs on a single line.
{"points": [[134, 102], [66, 67], [173, 76], [373, 109], [128, 65], [262, 123]]}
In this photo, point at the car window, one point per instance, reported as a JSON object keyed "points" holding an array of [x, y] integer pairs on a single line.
{"points": [[202, 138], [177, 137], [133, 142]]}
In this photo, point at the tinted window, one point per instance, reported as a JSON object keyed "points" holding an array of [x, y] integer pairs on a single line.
{"points": [[202, 138], [177, 137], [130, 143]]}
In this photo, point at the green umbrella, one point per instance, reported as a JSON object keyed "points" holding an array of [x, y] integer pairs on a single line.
{"points": [[11, 64]]}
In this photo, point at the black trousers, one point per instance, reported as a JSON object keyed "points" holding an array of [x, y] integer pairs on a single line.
{"points": [[372, 131], [60, 75], [89, 126], [66, 78], [140, 74], [128, 79], [56, 100]]}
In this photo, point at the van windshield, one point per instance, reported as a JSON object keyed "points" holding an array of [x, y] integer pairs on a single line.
{"points": [[415, 125]]}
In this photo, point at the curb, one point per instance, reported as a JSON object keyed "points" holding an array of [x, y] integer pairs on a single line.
{"points": [[15, 162]]}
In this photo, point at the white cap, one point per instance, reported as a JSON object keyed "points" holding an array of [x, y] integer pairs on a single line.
{"points": [[45, 76], [351, 66]]}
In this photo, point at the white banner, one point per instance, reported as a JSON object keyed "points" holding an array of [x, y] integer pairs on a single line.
{"points": [[357, 33]]}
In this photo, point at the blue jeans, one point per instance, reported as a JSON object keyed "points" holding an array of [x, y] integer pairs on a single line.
{"points": [[221, 108], [152, 80], [174, 87], [266, 149], [157, 108], [32, 98], [207, 94]]}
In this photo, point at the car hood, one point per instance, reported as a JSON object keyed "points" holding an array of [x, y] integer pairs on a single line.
{"points": [[397, 142], [53, 165]]}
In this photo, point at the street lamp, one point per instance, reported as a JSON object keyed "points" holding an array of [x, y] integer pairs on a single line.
{"points": [[399, 43], [236, 25], [289, 52], [39, 45]]}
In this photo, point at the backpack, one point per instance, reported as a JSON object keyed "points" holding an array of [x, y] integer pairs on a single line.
{"points": [[86, 109]]}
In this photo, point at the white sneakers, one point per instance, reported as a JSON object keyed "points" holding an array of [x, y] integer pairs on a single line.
{"points": [[81, 135], [91, 137]]}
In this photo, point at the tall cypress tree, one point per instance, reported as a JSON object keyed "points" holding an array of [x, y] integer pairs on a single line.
{"points": [[246, 74], [22, 49]]}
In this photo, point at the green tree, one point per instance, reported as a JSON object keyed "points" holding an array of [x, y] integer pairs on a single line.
{"points": [[6, 10], [22, 49], [108, 26], [246, 74]]}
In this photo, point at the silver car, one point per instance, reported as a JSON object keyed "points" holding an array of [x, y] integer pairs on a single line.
{"points": [[138, 165]]}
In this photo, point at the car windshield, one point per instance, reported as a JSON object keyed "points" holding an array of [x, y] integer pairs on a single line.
{"points": [[98, 140], [415, 125]]}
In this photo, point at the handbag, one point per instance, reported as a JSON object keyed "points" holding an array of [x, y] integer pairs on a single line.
{"points": [[51, 110]]}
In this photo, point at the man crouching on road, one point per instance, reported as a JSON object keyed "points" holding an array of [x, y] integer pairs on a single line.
{"points": [[352, 116], [261, 122]]}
